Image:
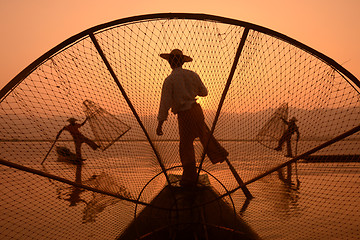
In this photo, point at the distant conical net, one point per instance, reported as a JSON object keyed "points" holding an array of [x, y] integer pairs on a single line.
{"points": [[106, 127], [114, 73], [270, 134]]}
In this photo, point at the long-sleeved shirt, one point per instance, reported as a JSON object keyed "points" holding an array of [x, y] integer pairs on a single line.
{"points": [[179, 92]]}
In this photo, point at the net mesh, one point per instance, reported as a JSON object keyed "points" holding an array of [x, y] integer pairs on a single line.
{"points": [[106, 128], [61, 200], [270, 134]]}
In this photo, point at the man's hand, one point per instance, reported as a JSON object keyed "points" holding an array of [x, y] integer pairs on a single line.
{"points": [[87, 118], [159, 131], [58, 135]]}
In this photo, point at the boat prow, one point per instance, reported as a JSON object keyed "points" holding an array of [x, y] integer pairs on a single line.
{"points": [[188, 213]]}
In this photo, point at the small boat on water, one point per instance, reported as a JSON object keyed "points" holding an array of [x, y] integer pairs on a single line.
{"points": [[110, 77], [65, 155], [332, 158]]}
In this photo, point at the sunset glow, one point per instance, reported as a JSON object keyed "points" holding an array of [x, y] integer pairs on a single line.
{"points": [[143, 138], [30, 28]]}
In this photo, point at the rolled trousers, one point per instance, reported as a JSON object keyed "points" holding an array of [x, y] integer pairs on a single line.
{"points": [[82, 139], [192, 125], [286, 138]]}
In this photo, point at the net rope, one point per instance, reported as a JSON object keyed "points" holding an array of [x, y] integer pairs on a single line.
{"points": [[75, 82]]}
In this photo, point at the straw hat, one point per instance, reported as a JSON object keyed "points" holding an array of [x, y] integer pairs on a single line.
{"points": [[176, 52], [72, 120], [293, 119]]}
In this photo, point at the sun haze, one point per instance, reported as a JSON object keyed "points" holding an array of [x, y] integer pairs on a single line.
{"points": [[30, 28]]}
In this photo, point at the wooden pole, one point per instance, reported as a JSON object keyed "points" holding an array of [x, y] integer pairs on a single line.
{"points": [[239, 180], [226, 89], [49, 151]]}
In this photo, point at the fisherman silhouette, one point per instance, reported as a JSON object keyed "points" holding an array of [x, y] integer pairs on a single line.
{"points": [[78, 137], [286, 137], [179, 92]]}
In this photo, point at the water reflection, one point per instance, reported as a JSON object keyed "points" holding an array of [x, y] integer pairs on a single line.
{"points": [[280, 194], [74, 194], [287, 201], [95, 203]]}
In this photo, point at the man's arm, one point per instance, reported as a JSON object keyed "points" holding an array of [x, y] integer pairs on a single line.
{"points": [[159, 131], [286, 122], [202, 91], [165, 101], [58, 135], [84, 121], [297, 134]]}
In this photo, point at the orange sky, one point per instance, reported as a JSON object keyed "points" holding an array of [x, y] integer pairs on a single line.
{"points": [[30, 28]]}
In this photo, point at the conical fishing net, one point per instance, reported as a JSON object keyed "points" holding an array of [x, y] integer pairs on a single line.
{"points": [[106, 128], [270, 134], [131, 190]]}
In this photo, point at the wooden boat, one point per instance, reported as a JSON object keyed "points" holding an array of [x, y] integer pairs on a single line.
{"points": [[65, 155], [332, 158], [188, 213]]}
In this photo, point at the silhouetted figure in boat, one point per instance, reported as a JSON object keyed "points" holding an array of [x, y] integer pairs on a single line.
{"points": [[286, 137], [179, 92], [78, 137]]}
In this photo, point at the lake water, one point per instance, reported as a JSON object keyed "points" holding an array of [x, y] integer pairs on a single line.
{"points": [[326, 205]]}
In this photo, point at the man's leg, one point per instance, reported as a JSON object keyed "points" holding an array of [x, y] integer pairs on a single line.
{"points": [[187, 158], [215, 151], [187, 133], [78, 150], [91, 143], [288, 147]]}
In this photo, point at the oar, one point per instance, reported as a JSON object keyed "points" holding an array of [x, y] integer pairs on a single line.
{"points": [[297, 177], [239, 180], [49, 150]]}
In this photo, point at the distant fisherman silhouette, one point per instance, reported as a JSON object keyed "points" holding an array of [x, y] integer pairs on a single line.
{"points": [[179, 92], [78, 137], [286, 137]]}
